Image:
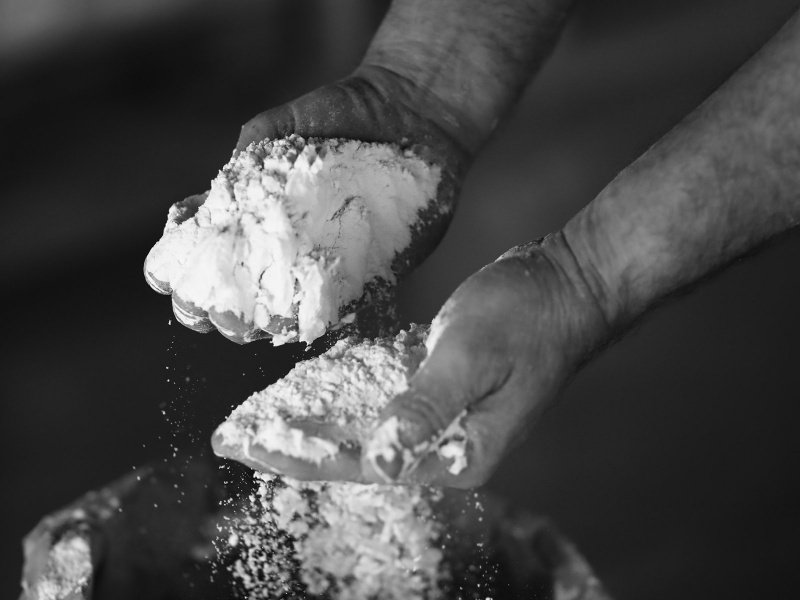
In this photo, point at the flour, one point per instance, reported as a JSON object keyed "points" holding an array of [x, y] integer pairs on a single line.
{"points": [[68, 571], [292, 231], [344, 539], [344, 390]]}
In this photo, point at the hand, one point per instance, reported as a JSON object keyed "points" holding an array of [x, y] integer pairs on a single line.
{"points": [[499, 351], [372, 105]]}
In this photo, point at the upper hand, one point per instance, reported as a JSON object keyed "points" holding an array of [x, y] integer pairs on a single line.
{"points": [[372, 105]]}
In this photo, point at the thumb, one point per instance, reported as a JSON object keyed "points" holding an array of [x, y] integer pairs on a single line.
{"points": [[268, 125], [452, 379]]}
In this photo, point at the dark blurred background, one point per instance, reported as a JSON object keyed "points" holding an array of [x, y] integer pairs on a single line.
{"points": [[672, 461]]}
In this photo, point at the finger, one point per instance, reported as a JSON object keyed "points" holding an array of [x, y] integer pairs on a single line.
{"points": [[343, 464], [187, 208], [271, 124], [234, 327], [162, 287], [160, 259], [157, 268], [468, 459], [319, 114], [452, 379], [190, 315]]}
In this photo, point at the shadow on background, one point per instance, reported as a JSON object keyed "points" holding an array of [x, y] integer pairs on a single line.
{"points": [[671, 461]]}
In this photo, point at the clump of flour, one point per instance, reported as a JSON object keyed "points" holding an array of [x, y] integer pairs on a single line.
{"points": [[344, 390], [346, 540], [338, 541], [67, 572], [292, 231]]}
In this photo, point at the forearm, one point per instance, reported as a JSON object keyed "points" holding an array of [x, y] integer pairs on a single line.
{"points": [[721, 183], [470, 58]]}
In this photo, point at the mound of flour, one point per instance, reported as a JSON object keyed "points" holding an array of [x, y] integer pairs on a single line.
{"points": [[341, 539], [291, 232]]}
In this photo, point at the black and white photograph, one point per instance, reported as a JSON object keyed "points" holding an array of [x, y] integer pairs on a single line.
{"points": [[400, 299]]}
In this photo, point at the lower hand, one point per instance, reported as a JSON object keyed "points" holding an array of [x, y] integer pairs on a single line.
{"points": [[500, 350], [504, 345]]}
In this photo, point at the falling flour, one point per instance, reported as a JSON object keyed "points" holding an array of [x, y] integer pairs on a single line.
{"points": [[343, 541], [340, 539], [292, 231]]}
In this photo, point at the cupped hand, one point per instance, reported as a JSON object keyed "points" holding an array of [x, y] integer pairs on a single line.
{"points": [[500, 350], [372, 105]]}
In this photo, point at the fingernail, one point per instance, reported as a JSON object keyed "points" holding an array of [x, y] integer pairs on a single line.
{"points": [[185, 317], [198, 322], [152, 264], [387, 456], [160, 286]]}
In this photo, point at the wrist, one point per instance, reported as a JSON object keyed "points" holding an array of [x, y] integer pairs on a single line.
{"points": [[466, 60], [597, 261], [585, 312], [429, 108]]}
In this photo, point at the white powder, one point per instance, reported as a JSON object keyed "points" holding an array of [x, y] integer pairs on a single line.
{"points": [[344, 390], [450, 444], [344, 539], [292, 231], [68, 570]]}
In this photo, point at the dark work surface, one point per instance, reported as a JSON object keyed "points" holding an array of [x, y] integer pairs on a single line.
{"points": [[672, 459]]}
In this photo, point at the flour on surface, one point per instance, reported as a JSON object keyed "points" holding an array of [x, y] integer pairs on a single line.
{"points": [[292, 231]]}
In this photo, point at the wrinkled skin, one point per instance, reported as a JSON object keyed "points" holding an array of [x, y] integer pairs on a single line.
{"points": [[372, 105]]}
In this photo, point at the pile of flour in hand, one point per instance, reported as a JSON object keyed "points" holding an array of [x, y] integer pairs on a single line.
{"points": [[343, 539], [292, 231]]}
